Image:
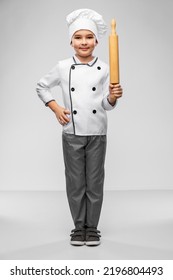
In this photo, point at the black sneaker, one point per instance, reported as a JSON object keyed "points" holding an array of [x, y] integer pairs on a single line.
{"points": [[92, 237], [77, 237]]}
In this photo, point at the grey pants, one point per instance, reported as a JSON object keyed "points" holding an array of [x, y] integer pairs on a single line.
{"points": [[84, 158]]}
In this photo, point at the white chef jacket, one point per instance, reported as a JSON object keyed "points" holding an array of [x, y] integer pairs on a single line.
{"points": [[85, 88]]}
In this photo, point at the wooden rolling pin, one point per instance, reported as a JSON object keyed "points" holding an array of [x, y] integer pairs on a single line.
{"points": [[113, 55]]}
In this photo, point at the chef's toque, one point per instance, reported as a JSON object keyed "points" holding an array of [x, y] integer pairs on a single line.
{"points": [[86, 19]]}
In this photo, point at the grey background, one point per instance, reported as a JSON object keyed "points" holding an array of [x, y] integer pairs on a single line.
{"points": [[34, 37]]}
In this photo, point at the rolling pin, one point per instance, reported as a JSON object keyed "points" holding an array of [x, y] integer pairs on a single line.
{"points": [[113, 55]]}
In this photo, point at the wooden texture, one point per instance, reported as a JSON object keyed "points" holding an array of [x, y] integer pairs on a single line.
{"points": [[113, 55]]}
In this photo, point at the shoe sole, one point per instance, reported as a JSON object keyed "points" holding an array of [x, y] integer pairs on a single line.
{"points": [[92, 243], [77, 243]]}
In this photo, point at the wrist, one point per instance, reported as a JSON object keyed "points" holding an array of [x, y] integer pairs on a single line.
{"points": [[111, 100], [53, 106]]}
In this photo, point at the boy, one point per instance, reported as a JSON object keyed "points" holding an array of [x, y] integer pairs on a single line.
{"points": [[87, 95]]}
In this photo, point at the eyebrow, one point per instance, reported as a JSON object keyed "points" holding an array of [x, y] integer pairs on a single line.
{"points": [[80, 35]]}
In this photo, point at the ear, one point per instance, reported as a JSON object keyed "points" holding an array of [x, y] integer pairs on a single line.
{"points": [[96, 43], [71, 43]]}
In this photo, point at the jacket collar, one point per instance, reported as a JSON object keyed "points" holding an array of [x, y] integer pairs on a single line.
{"points": [[91, 63]]}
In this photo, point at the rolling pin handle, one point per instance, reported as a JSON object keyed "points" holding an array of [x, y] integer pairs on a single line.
{"points": [[113, 25]]}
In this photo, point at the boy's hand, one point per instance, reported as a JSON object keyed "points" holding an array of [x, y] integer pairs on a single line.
{"points": [[60, 112], [115, 92], [61, 115]]}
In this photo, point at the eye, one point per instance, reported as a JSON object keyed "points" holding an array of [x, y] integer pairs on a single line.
{"points": [[77, 37]]}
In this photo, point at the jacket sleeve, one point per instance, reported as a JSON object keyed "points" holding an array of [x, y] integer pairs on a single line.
{"points": [[47, 82], [105, 87]]}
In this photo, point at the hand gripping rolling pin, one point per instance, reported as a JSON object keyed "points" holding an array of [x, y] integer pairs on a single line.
{"points": [[113, 55]]}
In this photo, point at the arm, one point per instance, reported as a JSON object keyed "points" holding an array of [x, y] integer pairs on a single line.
{"points": [[111, 92], [44, 92], [106, 103], [45, 84]]}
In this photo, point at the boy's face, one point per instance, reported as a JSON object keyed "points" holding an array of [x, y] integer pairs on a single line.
{"points": [[84, 42]]}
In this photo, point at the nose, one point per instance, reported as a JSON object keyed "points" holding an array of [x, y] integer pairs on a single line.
{"points": [[84, 42]]}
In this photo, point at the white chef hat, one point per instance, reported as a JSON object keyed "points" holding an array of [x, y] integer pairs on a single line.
{"points": [[86, 19]]}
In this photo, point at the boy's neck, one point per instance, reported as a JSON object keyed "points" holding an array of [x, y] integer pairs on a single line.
{"points": [[85, 59]]}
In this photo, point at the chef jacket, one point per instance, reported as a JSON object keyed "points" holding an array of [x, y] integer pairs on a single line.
{"points": [[85, 89]]}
